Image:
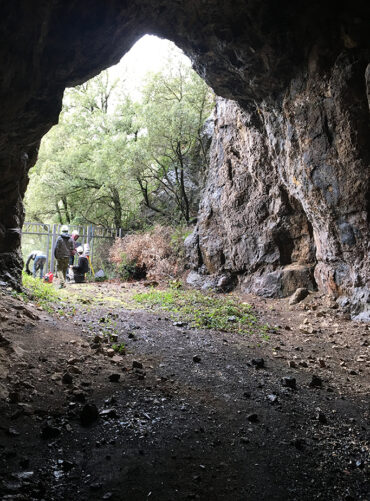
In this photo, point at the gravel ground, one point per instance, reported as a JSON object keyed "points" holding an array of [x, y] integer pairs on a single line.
{"points": [[183, 413]]}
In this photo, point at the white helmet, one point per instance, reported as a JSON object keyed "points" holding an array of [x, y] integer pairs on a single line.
{"points": [[80, 249], [64, 229], [74, 233]]}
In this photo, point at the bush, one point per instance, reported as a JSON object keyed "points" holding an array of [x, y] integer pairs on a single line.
{"points": [[156, 254]]}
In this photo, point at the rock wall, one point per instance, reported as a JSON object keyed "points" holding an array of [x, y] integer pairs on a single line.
{"points": [[297, 69], [286, 200]]}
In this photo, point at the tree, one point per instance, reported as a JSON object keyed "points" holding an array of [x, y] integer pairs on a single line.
{"points": [[110, 157], [80, 175], [171, 153]]}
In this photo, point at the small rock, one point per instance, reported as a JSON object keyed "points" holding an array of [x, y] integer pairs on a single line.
{"points": [[196, 359], [14, 397], [232, 318], [95, 486], [75, 370], [140, 373], [259, 363], [67, 378], [273, 398], [24, 475], [316, 381], [114, 378], [48, 431], [79, 396], [110, 401], [72, 361], [306, 328], [109, 413], [321, 418], [110, 352], [179, 324], [298, 296], [289, 382], [89, 414], [66, 465], [253, 418], [12, 432]]}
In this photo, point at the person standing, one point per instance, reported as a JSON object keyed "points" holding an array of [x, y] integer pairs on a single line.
{"points": [[39, 260], [62, 253]]}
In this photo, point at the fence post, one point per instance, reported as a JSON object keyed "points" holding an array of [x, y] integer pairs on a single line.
{"points": [[52, 249], [47, 249], [92, 243]]}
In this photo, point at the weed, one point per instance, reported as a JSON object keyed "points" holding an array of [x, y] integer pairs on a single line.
{"points": [[205, 311], [43, 293], [119, 348]]}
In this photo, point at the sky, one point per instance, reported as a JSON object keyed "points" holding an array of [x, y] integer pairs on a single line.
{"points": [[149, 54]]}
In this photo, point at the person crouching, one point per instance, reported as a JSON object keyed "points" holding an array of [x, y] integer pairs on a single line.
{"points": [[81, 268], [39, 260]]}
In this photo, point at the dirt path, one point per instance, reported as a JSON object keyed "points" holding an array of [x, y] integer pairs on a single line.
{"points": [[185, 413]]}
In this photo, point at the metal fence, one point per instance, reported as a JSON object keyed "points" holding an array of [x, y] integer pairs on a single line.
{"points": [[42, 237]]}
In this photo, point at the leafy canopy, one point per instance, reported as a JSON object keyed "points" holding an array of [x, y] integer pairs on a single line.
{"points": [[117, 162]]}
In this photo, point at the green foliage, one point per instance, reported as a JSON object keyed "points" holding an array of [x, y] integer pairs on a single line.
{"points": [[177, 240], [109, 158], [119, 348], [205, 311], [43, 293], [171, 156], [128, 269]]}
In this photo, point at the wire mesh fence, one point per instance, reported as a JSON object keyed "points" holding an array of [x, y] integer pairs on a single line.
{"points": [[42, 237]]}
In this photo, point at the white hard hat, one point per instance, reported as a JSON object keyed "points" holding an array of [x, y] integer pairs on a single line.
{"points": [[64, 229], [80, 249], [75, 232]]}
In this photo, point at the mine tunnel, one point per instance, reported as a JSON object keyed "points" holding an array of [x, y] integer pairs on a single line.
{"points": [[286, 198]]}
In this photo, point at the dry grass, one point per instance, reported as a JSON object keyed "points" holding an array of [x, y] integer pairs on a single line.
{"points": [[156, 254]]}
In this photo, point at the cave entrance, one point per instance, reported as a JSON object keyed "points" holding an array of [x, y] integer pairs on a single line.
{"points": [[129, 150]]}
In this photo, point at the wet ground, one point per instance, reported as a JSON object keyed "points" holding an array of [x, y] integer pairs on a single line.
{"points": [[183, 413]]}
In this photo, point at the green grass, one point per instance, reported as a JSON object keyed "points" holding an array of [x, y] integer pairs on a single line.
{"points": [[205, 311], [43, 293]]}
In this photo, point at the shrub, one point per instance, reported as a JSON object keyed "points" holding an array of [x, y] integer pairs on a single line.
{"points": [[157, 254]]}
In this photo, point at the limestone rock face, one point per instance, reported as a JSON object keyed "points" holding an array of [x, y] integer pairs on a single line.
{"points": [[285, 201], [290, 165]]}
